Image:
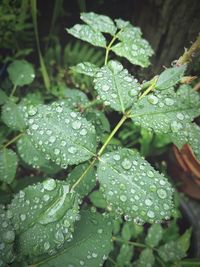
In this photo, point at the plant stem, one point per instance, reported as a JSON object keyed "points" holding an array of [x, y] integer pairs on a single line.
{"points": [[92, 103], [109, 47], [112, 134], [13, 140], [187, 56], [114, 238], [42, 64], [13, 90], [150, 88]]}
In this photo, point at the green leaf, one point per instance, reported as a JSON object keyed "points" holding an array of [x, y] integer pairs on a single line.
{"points": [[3, 97], [89, 247], [98, 22], [190, 134], [154, 235], [7, 237], [34, 157], [86, 68], [126, 231], [175, 250], [21, 72], [63, 135], [8, 165], [170, 77], [43, 216], [125, 255], [146, 258], [132, 46], [88, 34], [116, 87], [87, 184], [74, 98], [133, 188], [12, 116], [166, 112], [98, 200]]}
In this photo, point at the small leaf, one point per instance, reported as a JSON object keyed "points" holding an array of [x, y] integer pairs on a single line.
{"points": [[8, 165], [125, 255], [63, 135], [74, 98], [12, 116], [116, 86], [170, 77], [146, 258], [154, 235], [121, 175], [86, 68], [98, 200], [175, 250], [126, 231], [166, 112], [87, 184], [21, 72], [3, 97], [98, 22], [89, 247], [43, 216], [34, 157], [88, 34], [7, 237]]}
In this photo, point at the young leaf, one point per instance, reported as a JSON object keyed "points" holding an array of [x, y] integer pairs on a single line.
{"points": [[62, 134], [8, 165], [21, 72], [131, 46], [12, 116], [87, 184], [166, 112], [175, 250], [146, 258], [98, 200], [98, 22], [43, 216], [89, 247], [133, 188], [7, 237], [125, 255], [170, 77], [116, 86], [34, 157], [126, 231], [86, 68], [154, 235], [88, 34]]}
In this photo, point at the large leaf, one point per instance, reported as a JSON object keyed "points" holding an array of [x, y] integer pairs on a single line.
{"points": [[7, 237], [98, 22], [87, 184], [154, 235], [62, 134], [8, 165], [132, 46], [34, 157], [116, 86], [89, 247], [133, 188], [167, 112], [12, 116], [21, 72], [43, 216], [86, 68], [88, 34], [146, 258], [176, 249], [170, 77]]}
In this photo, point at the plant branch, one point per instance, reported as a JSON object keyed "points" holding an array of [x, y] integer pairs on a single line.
{"points": [[109, 47], [13, 140], [189, 53], [13, 90], [136, 244], [150, 88]]}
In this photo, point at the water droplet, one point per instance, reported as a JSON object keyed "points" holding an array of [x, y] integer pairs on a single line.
{"points": [[72, 149], [152, 99], [126, 164], [49, 184], [56, 151], [150, 214], [162, 193], [32, 111], [83, 132], [8, 236], [116, 157], [176, 126], [23, 217], [105, 87], [169, 101], [76, 125], [180, 116], [59, 109], [34, 126], [148, 202], [123, 198], [150, 174], [52, 139], [46, 246]]}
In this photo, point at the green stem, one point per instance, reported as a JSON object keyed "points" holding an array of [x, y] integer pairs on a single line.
{"points": [[13, 90], [13, 140], [92, 103], [109, 47], [113, 262], [150, 88], [136, 244]]}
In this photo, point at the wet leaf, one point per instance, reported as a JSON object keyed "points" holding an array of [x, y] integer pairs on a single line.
{"points": [[98, 200], [133, 188], [154, 235], [8, 165], [86, 68], [146, 258]]}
